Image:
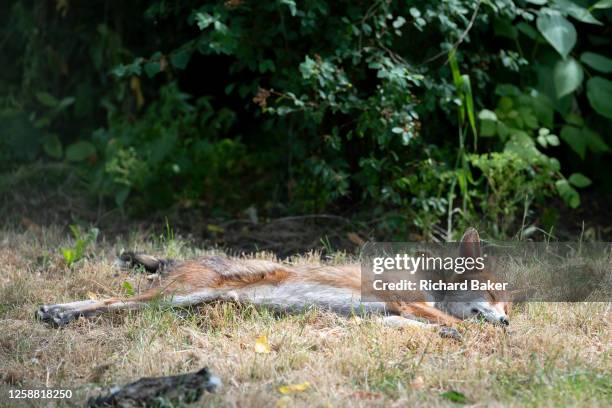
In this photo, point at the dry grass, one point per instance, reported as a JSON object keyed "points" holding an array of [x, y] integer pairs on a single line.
{"points": [[555, 355]]}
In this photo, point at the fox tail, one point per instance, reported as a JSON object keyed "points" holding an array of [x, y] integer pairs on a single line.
{"points": [[130, 259]]}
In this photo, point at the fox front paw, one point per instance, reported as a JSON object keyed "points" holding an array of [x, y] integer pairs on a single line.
{"points": [[55, 315], [450, 333]]}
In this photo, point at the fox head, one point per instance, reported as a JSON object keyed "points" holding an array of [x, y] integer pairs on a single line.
{"points": [[491, 305]]}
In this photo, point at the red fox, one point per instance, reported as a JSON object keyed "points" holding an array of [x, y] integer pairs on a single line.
{"points": [[281, 286]]}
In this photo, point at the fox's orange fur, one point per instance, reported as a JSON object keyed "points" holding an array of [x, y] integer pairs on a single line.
{"points": [[278, 285]]}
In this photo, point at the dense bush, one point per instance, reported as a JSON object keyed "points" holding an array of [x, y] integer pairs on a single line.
{"points": [[429, 114]]}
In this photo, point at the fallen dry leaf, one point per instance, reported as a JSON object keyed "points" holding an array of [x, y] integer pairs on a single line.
{"points": [[355, 239], [366, 395], [284, 402], [417, 383], [261, 345], [294, 388]]}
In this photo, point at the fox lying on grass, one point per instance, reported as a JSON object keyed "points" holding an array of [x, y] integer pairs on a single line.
{"points": [[271, 284]]}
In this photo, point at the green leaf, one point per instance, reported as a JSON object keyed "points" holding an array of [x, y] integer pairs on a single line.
{"points": [[64, 103], [568, 76], [204, 20], [599, 93], [454, 396], [546, 85], [573, 137], [594, 141], [488, 121], [469, 102], [574, 119], [602, 4], [400, 21], [545, 138], [128, 289], [542, 141], [507, 90], [292, 6], [487, 128], [503, 28], [543, 109], [179, 59], [574, 10], [597, 61], [122, 195], [153, 66], [528, 30], [486, 114], [559, 32], [53, 146], [80, 151], [552, 140], [568, 193], [522, 145], [580, 180], [47, 99], [69, 256]]}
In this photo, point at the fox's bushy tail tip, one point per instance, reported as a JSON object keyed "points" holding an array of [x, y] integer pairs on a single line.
{"points": [[131, 259]]}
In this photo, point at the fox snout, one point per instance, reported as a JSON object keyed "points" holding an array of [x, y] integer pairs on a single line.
{"points": [[490, 314]]}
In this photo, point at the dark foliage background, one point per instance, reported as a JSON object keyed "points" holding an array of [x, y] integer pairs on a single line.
{"points": [[418, 116]]}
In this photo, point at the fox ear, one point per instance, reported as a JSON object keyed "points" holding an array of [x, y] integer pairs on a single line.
{"points": [[470, 244]]}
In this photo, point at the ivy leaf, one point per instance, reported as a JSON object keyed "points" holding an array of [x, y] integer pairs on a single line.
{"points": [[580, 180], [80, 151], [599, 93], [568, 76], [558, 31], [597, 61]]}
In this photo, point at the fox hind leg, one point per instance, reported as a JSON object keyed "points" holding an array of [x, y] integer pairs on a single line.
{"points": [[63, 313]]}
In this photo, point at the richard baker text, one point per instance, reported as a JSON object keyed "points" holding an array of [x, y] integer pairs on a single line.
{"points": [[438, 285]]}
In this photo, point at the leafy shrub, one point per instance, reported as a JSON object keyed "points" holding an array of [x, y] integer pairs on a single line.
{"points": [[419, 113]]}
